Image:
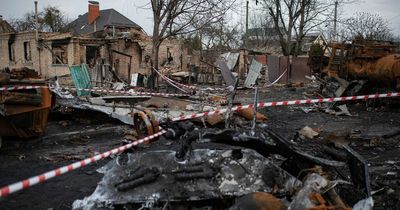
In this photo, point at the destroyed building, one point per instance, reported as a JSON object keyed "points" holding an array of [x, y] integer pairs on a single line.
{"points": [[102, 38], [242, 142]]}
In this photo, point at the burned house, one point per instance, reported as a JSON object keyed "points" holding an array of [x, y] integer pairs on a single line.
{"points": [[102, 39], [109, 38], [48, 57]]}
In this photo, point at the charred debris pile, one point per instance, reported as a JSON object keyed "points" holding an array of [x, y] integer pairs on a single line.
{"points": [[234, 160], [235, 167]]}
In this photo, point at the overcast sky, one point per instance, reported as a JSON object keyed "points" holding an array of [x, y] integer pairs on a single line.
{"points": [[134, 9]]}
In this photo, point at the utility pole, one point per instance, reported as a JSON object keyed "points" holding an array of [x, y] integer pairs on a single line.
{"points": [[335, 22], [36, 22], [247, 24], [37, 37]]}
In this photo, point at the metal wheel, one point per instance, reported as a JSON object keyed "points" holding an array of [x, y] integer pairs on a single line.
{"points": [[154, 121], [142, 124]]}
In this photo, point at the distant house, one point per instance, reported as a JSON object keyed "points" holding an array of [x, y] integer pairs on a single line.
{"points": [[96, 20], [313, 38], [265, 39], [269, 33], [102, 39]]}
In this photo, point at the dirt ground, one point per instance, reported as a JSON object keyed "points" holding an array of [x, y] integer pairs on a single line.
{"points": [[22, 159]]}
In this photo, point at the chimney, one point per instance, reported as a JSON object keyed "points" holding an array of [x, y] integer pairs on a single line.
{"points": [[94, 11]]}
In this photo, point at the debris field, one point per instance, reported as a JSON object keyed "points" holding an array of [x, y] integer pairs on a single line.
{"points": [[99, 115], [203, 163]]}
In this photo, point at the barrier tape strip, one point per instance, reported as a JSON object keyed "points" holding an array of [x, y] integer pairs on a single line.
{"points": [[27, 87], [175, 82], [127, 92], [27, 183], [21, 87], [287, 103], [170, 81]]}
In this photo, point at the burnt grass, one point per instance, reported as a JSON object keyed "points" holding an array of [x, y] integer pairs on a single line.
{"points": [[371, 120]]}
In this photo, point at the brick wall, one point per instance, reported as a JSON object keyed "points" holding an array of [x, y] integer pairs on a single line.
{"points": [[76, 54], [121, 62], [40, 60], [177, 50]]}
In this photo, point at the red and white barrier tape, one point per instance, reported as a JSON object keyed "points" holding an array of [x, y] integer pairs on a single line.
{"points": [[27, 183], [287, 103], [21, 87], [27, 87], [4, 191], [175, 84], [128, 92]]}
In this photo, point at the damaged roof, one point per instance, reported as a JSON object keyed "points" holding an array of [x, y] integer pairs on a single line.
{"points": [[5, 27], [107, 18]]}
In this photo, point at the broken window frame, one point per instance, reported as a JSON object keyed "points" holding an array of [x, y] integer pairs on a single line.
{"points": [[11, 52], [27, 51], [60, 53]]}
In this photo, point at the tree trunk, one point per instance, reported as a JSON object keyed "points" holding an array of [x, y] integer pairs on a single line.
{"points": [[301, 28], [289, 49], [151, 82]]}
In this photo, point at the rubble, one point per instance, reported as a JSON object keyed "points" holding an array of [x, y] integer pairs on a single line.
{"points": [[208, 164], [186, 144], [308, 132]]}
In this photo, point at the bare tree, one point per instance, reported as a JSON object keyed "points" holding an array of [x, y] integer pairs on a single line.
{"points": [[26, 23], [51, 19], [296, 17], [176, 17], [367, 26], [220, 35], [261, 33]]}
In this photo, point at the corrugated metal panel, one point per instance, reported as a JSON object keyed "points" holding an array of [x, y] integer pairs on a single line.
{"points": [[254, 72], [81, 79], [231, 59], [226, 73]]}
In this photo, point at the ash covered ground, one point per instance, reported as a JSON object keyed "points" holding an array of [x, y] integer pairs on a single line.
{"points": [[371, 131]]}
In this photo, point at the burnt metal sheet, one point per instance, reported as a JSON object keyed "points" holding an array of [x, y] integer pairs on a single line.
{"points": [[226, 73], [26, 120], [230, 177], [254, 72]]}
